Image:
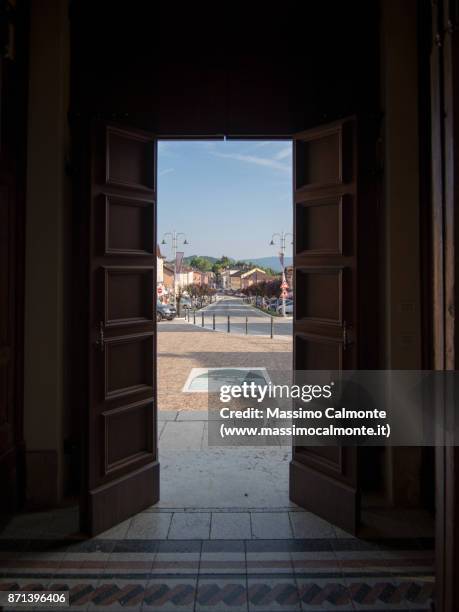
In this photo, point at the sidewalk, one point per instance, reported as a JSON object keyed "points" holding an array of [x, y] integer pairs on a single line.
{"points": [[182, 346]]}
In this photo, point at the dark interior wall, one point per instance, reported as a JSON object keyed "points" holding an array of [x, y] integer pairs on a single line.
{"points": [[225, 68], [13, 139]]}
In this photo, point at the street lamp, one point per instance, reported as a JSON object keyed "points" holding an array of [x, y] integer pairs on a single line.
{"points": [[174, 237], [282, 238]]}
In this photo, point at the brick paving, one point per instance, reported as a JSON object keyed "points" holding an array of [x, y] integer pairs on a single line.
{"points": [[182, 346]]}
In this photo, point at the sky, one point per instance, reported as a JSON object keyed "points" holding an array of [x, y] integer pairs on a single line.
{"points": [[229, 197]]}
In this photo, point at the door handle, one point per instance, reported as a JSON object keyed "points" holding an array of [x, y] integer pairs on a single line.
{"points": [[348, 338], [100, 341]]}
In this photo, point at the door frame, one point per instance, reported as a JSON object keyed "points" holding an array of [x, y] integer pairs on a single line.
{"points": [[446, 474], [444, 113]]}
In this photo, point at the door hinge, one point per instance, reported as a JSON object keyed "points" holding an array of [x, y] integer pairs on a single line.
{"points": [[348, 337]]}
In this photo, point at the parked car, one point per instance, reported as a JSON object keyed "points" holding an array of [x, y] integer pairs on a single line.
{"points": [[165, 311], [185, 303], [288, 307]]}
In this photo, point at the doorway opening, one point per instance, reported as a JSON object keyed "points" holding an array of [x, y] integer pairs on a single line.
{"points": [[211, 505], [225, 246], [234, 197]]}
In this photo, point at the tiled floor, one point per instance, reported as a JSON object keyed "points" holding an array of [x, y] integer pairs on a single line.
{"points": [[224, 537], [290, 574], [216, 559]]}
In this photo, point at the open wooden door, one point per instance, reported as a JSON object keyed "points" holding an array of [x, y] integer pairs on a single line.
{"points": [[324, 479], [121, 455]]}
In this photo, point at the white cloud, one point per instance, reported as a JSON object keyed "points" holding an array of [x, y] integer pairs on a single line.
{"points": [[166, 171], [283, 153], [261, 144], [259, 161]]}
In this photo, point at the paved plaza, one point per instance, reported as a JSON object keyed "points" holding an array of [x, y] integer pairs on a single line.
{"points": [[183, 346]]}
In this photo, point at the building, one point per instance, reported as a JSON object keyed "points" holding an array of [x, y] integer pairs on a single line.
{"points": [[168, 277], [160, 288], [209, 279], [203, 278], [225, 277], [246, 278], [184, 278], [289, 277], [198, 277], [159, 266]]}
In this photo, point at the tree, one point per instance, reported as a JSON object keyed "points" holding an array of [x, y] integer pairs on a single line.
{"points": [[199, 292], [273, 288], [268, 289], [216, 268], [270, 271], [224, 261], [204, 291], [193, 291], [200, 263], [221, 264]]}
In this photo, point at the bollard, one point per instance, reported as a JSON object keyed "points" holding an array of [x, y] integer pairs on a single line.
{"points": [[202, 319], [272, 325], [188, 314], [213, 321], [194, 317], [228, 324], [246, 324]]}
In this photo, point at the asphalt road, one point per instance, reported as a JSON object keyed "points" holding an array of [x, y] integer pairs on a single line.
{"points": [[258, 323]]}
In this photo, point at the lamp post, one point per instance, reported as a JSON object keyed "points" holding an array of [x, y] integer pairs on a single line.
{"points": [[282, 238], [174, 237]]}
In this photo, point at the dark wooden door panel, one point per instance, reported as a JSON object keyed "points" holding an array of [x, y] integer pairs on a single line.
{"points": [[128, 298], [128, 361], [321, 226], [123, 469], [128, 223], [324, 479], [122, 451], [130, 159], [317, 352]]}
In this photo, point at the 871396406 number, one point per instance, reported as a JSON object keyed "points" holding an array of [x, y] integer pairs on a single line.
{"points": [[34, 599]]}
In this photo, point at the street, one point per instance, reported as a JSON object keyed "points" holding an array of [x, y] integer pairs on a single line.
{"points": [[258, 323]]}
